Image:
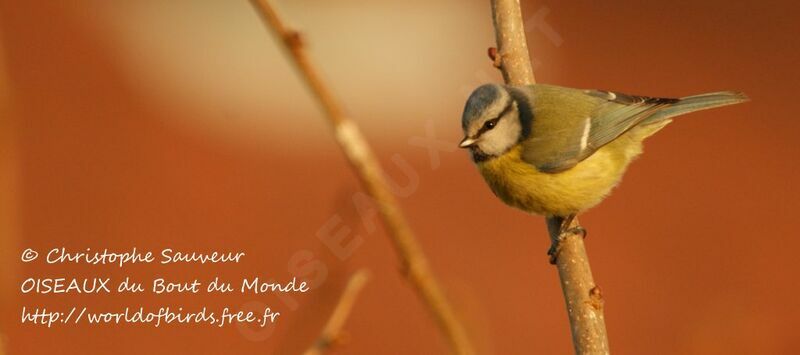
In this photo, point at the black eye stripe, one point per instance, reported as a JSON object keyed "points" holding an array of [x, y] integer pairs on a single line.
{"points": [[483, 128]]}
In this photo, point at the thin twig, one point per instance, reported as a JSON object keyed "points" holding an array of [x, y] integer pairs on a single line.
{"points": [[583, 298], [331, 333], [414, 263]]}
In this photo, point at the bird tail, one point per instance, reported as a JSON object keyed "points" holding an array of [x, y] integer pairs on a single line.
{"points": [[696, 103]]}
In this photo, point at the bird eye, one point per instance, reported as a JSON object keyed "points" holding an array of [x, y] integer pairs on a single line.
{"points": [[490, 124]]}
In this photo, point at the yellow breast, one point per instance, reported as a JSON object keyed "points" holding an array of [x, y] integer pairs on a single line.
{"points": [[575, 190]]}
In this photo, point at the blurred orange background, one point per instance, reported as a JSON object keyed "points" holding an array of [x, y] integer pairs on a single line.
{"points": [[182, 125]]}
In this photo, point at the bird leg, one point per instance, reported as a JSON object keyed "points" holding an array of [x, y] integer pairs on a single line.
{"points": [[560, 229]]}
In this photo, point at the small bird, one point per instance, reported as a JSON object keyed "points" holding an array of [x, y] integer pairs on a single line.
{"points": [[558, 151]]}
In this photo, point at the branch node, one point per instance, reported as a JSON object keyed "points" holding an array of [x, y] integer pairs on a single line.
{"points": [[495, 56], [596, 298], [294, 39], [332, 341]]}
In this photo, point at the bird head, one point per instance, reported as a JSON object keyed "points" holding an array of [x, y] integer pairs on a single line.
{"points": [[490, 122]]}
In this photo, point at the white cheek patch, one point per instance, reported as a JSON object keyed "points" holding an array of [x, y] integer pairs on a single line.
{"points": [[499, 140]]}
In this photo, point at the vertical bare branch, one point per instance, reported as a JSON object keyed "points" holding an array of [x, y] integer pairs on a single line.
{"points": [[414, 262], [331, 333], [583, 298], [512, 56]]}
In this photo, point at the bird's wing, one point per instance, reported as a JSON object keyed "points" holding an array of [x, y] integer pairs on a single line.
{"points": [[573, 124]]}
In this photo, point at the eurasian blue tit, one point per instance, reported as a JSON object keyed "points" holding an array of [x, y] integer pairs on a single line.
{"points": [[558, 151]]}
